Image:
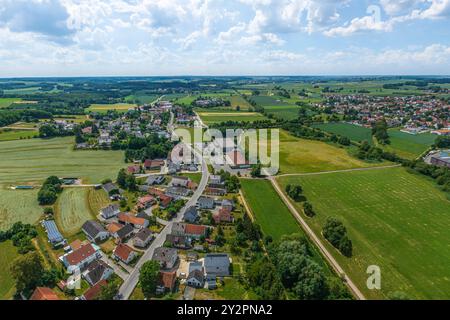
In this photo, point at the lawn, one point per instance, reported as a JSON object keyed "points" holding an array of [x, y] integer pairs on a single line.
{"points": [[36, 159], [355, 133], [7, 255], [217, 117], [103, 108], [10, 135], [409, 146], [72, 210], [18, 205], [396, 220], [269, 210]]}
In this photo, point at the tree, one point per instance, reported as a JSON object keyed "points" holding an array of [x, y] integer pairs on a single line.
{"points": [[27, 271], [148, 277], [295, 192], [122, 179], [442, 142], [308, 209], [256, 170], [109, 291], [336, 233], [47, 197]]}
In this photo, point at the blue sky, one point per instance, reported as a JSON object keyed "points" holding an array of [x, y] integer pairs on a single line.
{"points": [[223, 37]]}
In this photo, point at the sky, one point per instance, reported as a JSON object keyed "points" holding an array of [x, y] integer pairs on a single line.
{"points": [[224, 37]]}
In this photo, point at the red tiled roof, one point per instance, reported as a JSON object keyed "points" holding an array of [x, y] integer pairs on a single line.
{"points": [[128, 218], [156, 192], [165, 200], [153, 163], [146, 199], [223, 215], [42, 293], [114, 227], [94, 291], [123, 251], [195, 229], [168, 279], [81, 254]]}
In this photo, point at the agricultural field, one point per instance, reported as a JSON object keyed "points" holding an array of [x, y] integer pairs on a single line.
{"points": [[268, 209], [18, 205], [103, 108], [397, 220], [409, 146], [238, 101], [8, 135], [7, 255], [355, 133], [97, 200], [217, 117], [141, 98], [72, 210], [6, 102], [34, 160]]}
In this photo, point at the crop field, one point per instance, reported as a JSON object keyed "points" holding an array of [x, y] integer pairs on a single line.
{"points": [[217, 117], [72, 210], [283, 112], [238, 101], [355, 133], [17, 135], [18, 205], [306, 156], [270, 212], [119, 107], [7, 255], [266, 101], [396, 220], [409, 146], [34, 160], [6, 102]]}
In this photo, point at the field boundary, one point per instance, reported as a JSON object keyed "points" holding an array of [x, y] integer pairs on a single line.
{"points": [[337, 171], [328, 256]]}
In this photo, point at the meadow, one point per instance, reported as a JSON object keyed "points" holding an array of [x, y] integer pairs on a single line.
{"points": [[409, 146], [268, 209], [355, 133], [7, 255], [103, 108], [217, 117], [397, 220], [9, 135], [72, 210], [18, 205], [36, 159], [6, 102], [238, 101]]}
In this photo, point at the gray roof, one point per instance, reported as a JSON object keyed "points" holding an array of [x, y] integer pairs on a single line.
{"points": [[206, 202], [191, 214], [178, 191], [197, 275], [95, 271], [144, 234], [110, 187], [164, 254], [93, 228], [52, 232], [109, 210], [195, 266], [154, 179], [125, 231], [178, 228], [216, 262]]}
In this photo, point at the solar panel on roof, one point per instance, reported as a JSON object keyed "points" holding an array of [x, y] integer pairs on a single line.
{"points": [[52, 232]]}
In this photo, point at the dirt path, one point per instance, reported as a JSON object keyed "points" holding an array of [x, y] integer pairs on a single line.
{"points": [[337, 171], [338, 269]]}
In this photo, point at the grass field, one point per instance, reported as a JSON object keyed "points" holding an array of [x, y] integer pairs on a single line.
{"points": [[97, 199], [7, 255], [36, 159], [239, 101], [350, 131], [17, 135], [217, 117], [18, 206], [396, 220], [269, 210], [409, 146], [6, 102], [72, 210], [102, 108]]}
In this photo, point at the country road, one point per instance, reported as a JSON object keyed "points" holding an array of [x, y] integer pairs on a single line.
{"points": [[338, 269]]}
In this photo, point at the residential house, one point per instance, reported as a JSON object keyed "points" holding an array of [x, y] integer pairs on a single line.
{"points": [[43, 294], [145, 202], [124, 253], [143, 238], [178, 192], [154, 180], [110, 211], [125, 232], [134, 169], [179, 242], [166, 282], [93, 292], [179, 181], [223, 216], [113, 228], [167, 257], [127, 218], [216, 179], [81, 257], [227, 204], [110, 188], [215, 191], [97, 271], [165, 201], [205, 203], [196, 279], [153, 164], [191, 215], [216, 265], [94, 231]]}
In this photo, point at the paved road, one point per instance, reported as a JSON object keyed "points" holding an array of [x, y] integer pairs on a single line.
{"points": [[130, 283], [338, 269]]}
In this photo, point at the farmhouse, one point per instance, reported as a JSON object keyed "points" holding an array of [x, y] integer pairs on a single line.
{"points": [[42, 294], [94, 231], [167, 257], [97, 271], [110, 211], [124, 253], [143, 238]]}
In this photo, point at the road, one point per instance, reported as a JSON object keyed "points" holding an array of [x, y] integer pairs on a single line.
{"points": [[130, 283], [336, 266]]}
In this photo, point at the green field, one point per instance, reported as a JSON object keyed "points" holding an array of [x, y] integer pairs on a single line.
{"points": [[269, 210], [17, 135], [355, 133], [396, 220], [217, 117], [141, 98], [7, 255], [18, 205], [36, 159], [239, 101], [409, 146], [72, 210], [103, 108], [6, 102]]}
